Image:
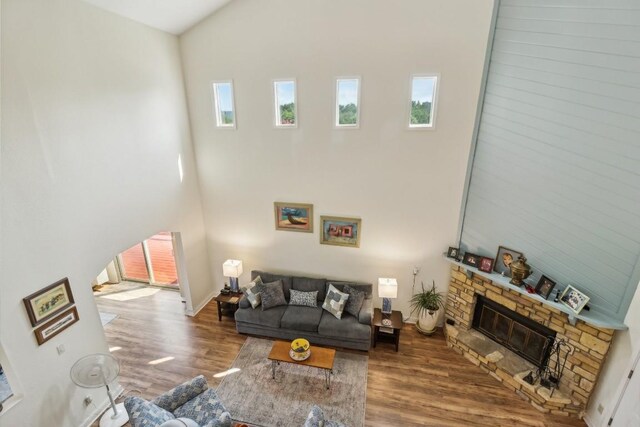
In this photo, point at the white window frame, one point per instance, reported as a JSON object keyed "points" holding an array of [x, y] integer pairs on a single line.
{"points": [[276, 113], [336, 115], [13, 383], [434, 102], [216, 109]]}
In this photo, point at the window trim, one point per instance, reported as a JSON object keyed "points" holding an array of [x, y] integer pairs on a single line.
{"points": [[336, 108], [16, 388], [216, 113], [434, 102], [276, 106]]}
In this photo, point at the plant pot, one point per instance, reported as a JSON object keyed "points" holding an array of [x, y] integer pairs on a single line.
{"points": [[427, 321]]}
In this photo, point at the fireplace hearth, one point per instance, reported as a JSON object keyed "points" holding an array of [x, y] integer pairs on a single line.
{"points": [[528, 339]]}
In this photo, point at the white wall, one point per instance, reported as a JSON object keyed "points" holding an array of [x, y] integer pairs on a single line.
{"points": [[624, 350], [93, 110], [405, 185]]}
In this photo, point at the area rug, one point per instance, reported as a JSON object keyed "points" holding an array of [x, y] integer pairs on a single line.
{"points": [[106, 317], [251, 395]]}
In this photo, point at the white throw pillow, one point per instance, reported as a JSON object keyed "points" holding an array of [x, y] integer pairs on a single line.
{"points": [[335, 301]]}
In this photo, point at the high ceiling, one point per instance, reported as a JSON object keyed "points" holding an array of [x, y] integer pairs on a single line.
{"points": [[172, 16]]}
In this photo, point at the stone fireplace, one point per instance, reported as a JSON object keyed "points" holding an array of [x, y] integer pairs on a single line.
{"points": [[505, 332]]}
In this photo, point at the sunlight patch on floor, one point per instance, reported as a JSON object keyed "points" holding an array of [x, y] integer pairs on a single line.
{"points": [[134, 294], [162, 360], [227, 372], [112, 349]]}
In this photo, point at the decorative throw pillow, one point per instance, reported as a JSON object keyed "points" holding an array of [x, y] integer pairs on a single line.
{"points": [[252, 291], [180, 422], [335, 301], [272, 295], [309, 299], [354, 303]]}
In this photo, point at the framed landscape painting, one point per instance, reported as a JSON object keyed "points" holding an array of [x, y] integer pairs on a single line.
{"points": [[340, 231], [294, 216], [48, 302]]}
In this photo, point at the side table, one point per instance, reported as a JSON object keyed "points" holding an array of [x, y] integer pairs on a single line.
{"points": [[389, 333], [227, 303]]}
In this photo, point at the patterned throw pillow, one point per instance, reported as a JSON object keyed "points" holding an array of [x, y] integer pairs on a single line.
{"points": [[252, 291], [272, 295], [335, 301], [354, 303], [308, 299]]}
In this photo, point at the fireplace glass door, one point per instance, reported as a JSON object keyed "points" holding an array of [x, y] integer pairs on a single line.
{"points": [[517, 333]]}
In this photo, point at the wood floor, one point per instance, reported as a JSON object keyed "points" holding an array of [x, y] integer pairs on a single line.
{"points": [[424, 384]]}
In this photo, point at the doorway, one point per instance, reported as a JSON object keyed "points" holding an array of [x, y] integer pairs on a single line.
{"points": [[151, 261]]}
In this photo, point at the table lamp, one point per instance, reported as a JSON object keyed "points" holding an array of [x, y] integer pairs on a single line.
{"points": [[387, 289], [232, 268]]}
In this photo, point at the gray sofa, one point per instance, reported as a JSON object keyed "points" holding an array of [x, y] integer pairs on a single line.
{"points": [[313, 323]]}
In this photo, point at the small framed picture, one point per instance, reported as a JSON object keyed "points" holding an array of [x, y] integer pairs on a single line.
{"points": [[52, 328], [545, 286], [486, 264], [574, 299], [504, 258], [471, 259], [453, 252], [47, 302]]}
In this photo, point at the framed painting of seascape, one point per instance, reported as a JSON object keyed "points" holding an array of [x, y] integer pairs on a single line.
{"points": [[294, 216]]}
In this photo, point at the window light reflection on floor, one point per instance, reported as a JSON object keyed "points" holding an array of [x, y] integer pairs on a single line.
{"points": [[227, 372], [162, 360], [112, 349]]}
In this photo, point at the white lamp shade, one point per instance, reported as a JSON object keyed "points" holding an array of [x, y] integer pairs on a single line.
{"points": [[232, 268], [387, 287]]}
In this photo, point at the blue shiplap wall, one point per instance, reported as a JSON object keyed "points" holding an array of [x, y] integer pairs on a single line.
{"points": [[556, 172]]}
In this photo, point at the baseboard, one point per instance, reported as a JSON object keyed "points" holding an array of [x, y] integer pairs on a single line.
{"points": [[93, 416], [588, 420], [200, 306]]}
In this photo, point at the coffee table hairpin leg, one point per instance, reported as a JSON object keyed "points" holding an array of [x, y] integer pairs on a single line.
{"points": [[273, 368], [327, 377]]}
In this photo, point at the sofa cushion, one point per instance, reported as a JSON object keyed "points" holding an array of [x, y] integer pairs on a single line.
{"points": [[355, 300], [252, 291], [309, 299], [269, 318], [272, 295], [204, 408], [335, 301], [301, 318], [347, 327], [307, 284], [269, 277], [367, 288], [145, 414]]}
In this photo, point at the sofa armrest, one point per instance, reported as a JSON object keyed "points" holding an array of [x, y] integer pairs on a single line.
{"points": [[366, 312], [143, 413], [244, 302], [178, 396]]}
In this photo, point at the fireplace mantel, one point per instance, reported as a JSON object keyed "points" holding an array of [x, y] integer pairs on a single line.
{"points": [[590, 317]]}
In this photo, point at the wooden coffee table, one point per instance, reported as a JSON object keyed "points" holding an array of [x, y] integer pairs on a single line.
{"points": [[321, 358]]}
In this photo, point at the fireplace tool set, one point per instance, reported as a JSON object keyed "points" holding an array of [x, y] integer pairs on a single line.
{"points": [[550, 376]]}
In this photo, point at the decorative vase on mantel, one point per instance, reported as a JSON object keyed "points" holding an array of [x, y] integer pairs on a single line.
{"points": [[520, 270]]}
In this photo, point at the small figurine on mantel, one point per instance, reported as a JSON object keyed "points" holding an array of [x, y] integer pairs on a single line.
{"points": [[520, 270]]}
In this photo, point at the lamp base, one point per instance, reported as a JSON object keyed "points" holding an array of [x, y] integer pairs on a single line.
{"points": [[386, 305], [233, 284], [121, 417]]}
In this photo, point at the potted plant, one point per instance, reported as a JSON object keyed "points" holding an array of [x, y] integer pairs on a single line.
{"points": [[427, 304]]}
